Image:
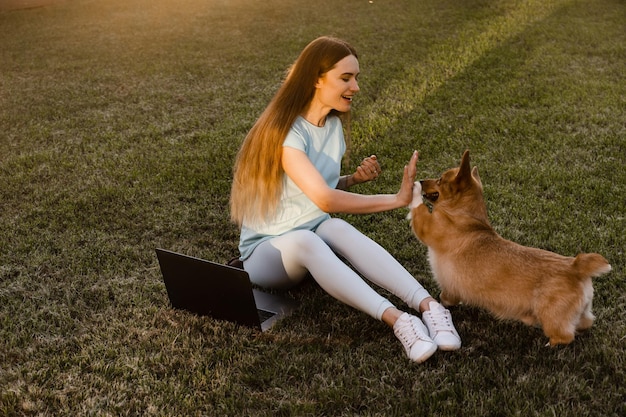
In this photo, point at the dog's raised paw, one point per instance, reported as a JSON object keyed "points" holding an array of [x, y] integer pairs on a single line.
{"points": [[417, 199], [417, 195]]}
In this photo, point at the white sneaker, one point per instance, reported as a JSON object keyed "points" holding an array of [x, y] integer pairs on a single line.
{"points": [[414, 337], [440, 327]]}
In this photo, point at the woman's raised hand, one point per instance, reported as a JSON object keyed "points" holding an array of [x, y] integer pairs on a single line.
{"points": [[405, 195]]}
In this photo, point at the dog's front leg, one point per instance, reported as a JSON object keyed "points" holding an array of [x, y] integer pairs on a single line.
{"points": [[417, 199], [448, 300], [419, 214], [417, 195]]}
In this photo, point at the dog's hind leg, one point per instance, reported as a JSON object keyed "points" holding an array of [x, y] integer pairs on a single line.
{"points": [[586, 319], [559, 322], [558, 318], [559, 333]]}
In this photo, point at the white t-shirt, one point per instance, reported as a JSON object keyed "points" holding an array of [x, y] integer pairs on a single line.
{"points": [[325, 147]]}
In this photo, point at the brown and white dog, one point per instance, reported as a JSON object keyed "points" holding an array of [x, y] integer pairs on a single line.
{"points": [[474, 265]]}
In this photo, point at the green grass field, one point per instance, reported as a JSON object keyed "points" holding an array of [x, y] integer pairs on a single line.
{"points": [[119, 124]]}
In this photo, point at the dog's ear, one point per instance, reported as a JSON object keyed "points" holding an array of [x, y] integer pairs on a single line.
{"points": [[476, 176], [465, 170]]}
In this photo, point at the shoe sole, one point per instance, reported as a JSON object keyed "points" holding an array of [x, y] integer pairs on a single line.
{"points": [[426, 355]]}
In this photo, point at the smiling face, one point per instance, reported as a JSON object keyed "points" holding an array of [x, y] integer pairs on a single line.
{"points": [[335, 89]]}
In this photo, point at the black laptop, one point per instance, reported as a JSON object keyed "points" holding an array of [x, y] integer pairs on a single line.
{"points": [[219, 291]]}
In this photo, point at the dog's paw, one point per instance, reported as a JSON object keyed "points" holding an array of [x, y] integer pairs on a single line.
{"points": [[417, 195], [417, 199]]}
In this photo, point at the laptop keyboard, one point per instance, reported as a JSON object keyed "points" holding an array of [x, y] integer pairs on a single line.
{"points": [[264, 314]]}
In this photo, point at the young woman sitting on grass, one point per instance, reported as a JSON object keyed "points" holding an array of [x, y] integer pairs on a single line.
{"points": [[287, 181]]}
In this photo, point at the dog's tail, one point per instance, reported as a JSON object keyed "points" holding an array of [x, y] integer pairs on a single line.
{"points": [[591, 265]]}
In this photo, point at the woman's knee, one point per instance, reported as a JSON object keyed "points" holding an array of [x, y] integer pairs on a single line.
{"points": [[334, 226], [334, 231], [304, 241]]}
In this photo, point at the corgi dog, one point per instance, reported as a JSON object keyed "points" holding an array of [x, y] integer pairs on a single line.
{"points": [[472, 264]]}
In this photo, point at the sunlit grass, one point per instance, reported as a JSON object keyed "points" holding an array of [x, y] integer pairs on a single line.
{"points": [[470, 41]]}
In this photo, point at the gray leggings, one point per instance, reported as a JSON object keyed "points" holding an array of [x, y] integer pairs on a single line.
{"points": [[284, 261]]}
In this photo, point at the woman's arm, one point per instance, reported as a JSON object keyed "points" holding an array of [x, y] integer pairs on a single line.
{"points": [[304, 174]]}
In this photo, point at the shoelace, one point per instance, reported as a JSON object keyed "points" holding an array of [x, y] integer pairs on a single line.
{"points": [[408, 333], [441, 320]]}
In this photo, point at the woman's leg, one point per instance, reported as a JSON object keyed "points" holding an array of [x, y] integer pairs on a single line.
{"points": [[283, 262], [378, 266], [374, 262]]}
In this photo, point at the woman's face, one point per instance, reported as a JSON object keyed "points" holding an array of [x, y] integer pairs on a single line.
{"points": [[336, 88]]}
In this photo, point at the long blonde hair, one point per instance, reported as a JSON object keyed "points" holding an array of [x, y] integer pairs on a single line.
{"points": [[258, 173]]}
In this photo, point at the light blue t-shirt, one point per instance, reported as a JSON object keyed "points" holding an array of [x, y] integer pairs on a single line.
{"points": [[325, 147]]}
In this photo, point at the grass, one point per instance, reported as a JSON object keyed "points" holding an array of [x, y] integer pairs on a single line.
{"points": [[119, 123]]}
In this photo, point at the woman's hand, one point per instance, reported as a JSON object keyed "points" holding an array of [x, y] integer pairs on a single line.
{"points": [[368, 170], [405, 195]]}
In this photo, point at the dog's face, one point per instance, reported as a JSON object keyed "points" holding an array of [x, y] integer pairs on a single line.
{"points": [[453, 184]]}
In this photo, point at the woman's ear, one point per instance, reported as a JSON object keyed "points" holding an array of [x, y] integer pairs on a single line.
{"points": [[319, 82]]}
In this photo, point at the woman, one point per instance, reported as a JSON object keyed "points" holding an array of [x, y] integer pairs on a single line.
{"points": [[287, 181]]}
